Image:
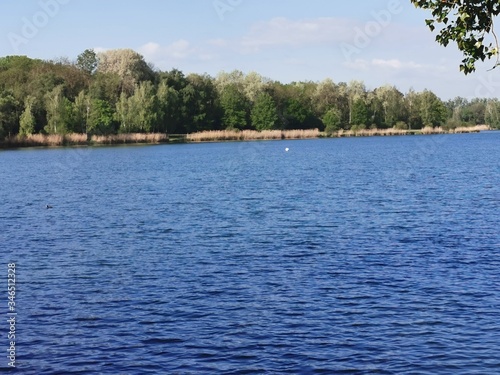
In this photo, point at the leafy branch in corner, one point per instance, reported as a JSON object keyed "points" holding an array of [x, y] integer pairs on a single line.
{"points": [[468, 23]]}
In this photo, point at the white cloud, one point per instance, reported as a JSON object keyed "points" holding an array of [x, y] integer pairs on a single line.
{"points": [[178, 50], [390, 64], [395, 64], [284, 32], [150, 48]]}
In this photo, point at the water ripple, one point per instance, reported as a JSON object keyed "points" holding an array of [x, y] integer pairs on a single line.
{"points": [[195, 259]]}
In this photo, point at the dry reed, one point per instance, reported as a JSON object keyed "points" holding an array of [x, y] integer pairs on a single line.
{"points": [[301, 134], [431, 130], [50, 140], [471, 129], [76, 139], [372, 132], [129, 138], [247, 135]]}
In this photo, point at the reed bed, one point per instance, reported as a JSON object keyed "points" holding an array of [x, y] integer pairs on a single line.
{"points": [[47, 140], [431, 130], [76, 139], [129, 138], [301, 134], [393, 131], [247, 135], [372, 132], [471, 129]]}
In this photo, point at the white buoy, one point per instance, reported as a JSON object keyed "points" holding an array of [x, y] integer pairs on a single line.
{"points": [[286, 149]]}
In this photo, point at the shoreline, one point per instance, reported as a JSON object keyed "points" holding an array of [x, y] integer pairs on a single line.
{"points": [[82, 140]]}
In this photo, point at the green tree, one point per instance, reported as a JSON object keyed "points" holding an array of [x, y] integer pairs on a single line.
{"points": [[87, 61], [355, 91], [27, 120], [100, 118], [391, 100], [168, 113], [123, 114], [359, 113], [200, 103], [8, 116], [80, 113], [58, 109], [432, 110], [143, 105], [332, 121], [492, 115], [235, 108], [467, 23], [263, 114], [107, 87], [412, 103]]}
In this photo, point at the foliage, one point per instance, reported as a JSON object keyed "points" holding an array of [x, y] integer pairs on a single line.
{"points": [[58, 109], [432, 109], [359, 113], [263, 113], [27, 120], [87, 61], [332, 121], [468, 23], [59, 97], [100, 118], [235, 108], [8, 107], [129, 65], [492, 115]]}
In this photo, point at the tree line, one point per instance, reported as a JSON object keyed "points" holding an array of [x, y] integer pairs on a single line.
{"points": [[117, 91]]}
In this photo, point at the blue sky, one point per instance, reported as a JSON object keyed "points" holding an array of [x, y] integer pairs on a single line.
{"points": [[376, 41]]}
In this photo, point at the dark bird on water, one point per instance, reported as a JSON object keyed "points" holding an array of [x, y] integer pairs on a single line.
{"points": [[48, 206]]}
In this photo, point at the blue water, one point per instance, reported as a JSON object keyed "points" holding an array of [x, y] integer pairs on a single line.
{"points": [[340, 256]]}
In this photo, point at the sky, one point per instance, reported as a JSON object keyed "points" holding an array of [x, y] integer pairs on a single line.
{"points": [[378, 42]]}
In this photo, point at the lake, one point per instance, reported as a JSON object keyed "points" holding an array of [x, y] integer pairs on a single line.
{"points": [[339, 256]]}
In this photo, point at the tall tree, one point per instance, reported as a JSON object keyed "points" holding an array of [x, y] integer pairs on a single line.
{"points": [[87, 61], [235, 108], [360, 114], [355, 91], [492, 115], [58, 109], [200, 103], [27, 120], [100, 118], [129, 65], [8, 114], [332, 121], [138, 113], [168, 113], [80, 113], [391, 100], [412, 102], [263, 114], [432, 109]]}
